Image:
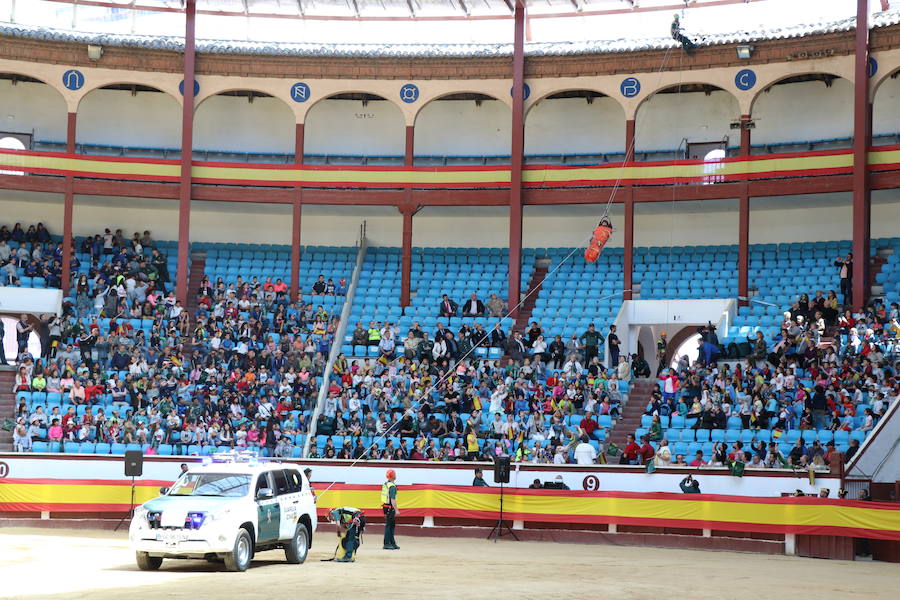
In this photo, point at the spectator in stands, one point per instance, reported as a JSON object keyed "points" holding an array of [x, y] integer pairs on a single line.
{"points": [[496, 307], [591, 339], [473, 307], [341, 288], [845, 272], [631, 452], [584, 453], [447, 307], [663, 457], [318, 288], [639, 367], [557, 352], [613, 341]]}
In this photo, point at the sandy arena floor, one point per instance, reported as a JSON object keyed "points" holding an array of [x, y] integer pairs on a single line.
{"points": [[99, 565]]}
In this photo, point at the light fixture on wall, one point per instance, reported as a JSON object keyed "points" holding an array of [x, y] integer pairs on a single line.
{"points": [[95, 51], [744, 52]]}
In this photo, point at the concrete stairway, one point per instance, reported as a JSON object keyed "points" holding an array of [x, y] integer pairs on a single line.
{"points": [[630, 416], [7, 405]]}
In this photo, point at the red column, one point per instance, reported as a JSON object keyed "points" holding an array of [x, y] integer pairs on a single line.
{"points": [[744, 221], [187, 144], [862, 139], [516, 152], [298, 205], [628, 226], [68, 209], [408, 156], [408, 210]]}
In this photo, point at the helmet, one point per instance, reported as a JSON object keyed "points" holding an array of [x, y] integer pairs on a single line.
{"points": [[390, 474]]}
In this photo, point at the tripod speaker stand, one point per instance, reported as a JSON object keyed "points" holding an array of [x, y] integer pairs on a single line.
{"points": [[501, 476], [134, 467]]}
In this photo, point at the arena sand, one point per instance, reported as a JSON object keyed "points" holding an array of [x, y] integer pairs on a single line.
{"points": [[54, 564]]}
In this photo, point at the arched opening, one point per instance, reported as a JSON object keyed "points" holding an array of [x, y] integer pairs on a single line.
{"points": [[129, 119], [689, 347], [11, 143], [355, 128], [804, 112], [462, 125], [241, 125], [33, 111], [690, 113], [575, 125], [885, 117]]}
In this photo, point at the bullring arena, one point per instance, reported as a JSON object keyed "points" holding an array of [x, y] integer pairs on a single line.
{"points": [[449, 298]]}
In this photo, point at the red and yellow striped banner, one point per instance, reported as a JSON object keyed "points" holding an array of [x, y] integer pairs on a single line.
{"points": [[800, 164], [808, 515]]}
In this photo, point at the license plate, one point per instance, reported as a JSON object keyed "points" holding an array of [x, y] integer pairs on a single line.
{"points": [[171, 538]]}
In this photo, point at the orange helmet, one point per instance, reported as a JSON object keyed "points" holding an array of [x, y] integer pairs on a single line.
{"points": [[391, 475]]}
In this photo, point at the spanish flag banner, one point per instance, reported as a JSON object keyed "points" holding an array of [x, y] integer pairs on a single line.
{"points": [[767, 166], [806, 515]]}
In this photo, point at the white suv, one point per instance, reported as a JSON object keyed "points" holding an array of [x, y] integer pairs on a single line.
{"points": [[227, 511]]}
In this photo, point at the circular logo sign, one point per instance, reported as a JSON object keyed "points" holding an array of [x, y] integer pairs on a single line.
{"points": [[73, 79], [526, 91], [196, 87], [4, 470], [591, 483], [630, 87], [409, 93], [300, 92], [745, 79], [872, 66]]}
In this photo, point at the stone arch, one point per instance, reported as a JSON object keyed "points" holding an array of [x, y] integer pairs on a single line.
{"points": [[665, 118], [575, 120], [129, 114], [463, 124], [378, 125]]}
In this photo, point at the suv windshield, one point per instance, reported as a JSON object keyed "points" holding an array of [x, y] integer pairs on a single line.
{"points": [[211, 484]]}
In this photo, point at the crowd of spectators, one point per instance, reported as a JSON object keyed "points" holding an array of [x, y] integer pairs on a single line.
{"points": [[127, 364], [30, 253], [825, 371]]}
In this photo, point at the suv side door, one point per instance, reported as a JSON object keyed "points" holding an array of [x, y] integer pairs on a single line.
{"points": [[288, 485], [268, 511]]}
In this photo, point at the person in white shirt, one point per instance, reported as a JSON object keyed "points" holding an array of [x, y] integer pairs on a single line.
{"points": [[663, 456], [560, 457], [585, 454]]}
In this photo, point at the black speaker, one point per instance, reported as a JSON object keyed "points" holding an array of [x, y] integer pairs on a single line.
{"points": [[501, 469], [134, 463]]}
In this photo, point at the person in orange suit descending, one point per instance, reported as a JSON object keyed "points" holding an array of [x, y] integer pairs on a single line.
{"points": [[598, 240]]}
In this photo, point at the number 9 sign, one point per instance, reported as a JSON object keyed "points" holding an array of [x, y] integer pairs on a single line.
{"points": [[591, 483]]}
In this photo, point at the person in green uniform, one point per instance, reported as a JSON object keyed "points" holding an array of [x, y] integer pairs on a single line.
{"points": [[350, 522], [389, 506]]}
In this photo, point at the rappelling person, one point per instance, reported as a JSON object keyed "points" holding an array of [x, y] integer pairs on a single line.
{"points": [[678, 36], [598, 240]]}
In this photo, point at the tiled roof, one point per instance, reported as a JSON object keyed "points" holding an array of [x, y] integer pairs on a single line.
{"points": [[176, 44]]}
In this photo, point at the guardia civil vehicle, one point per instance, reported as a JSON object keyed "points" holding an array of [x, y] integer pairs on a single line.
{"points": [[227, 510]]}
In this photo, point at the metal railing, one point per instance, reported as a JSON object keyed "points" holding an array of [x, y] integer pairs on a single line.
{"points": [[338, 338]]}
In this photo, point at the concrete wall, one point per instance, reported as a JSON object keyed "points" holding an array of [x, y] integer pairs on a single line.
{"points": [[665, 119], [148, 119], [791, 112], [348, 127], [233, 123], [455, 127], [572, 126], [807, 111], [693, 223], [27, 107]]}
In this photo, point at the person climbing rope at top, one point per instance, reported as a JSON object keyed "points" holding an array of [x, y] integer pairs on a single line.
{"points": [[678, 36]]}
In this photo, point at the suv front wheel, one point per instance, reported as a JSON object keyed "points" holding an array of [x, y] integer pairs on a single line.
{"points": [[239, 557]]}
